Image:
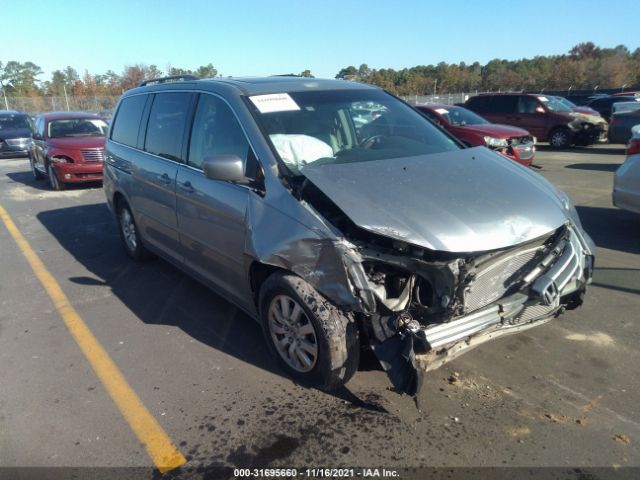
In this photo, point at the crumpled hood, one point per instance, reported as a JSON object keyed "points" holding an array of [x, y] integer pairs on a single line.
{"points": [[468, 200]]}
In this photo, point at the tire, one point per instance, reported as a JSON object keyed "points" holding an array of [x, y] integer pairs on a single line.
{"points": [[129, 234], [319, 327], [37, 174], [560, 138], [55, 184]]}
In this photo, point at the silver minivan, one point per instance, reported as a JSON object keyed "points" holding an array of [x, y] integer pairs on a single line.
{"points": [[338, 230]]}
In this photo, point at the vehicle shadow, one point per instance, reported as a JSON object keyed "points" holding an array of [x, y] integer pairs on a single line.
{"points": [[26, 178], [599, 167], [159, 293], [612, 228], [621, 279], [613, 149]]}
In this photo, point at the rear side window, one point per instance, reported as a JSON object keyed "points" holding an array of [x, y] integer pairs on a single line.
{"points": [[166, 127], [504, 104], [479, 104], [216, 131], [127, 121]]}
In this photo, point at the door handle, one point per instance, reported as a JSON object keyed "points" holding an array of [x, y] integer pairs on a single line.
{"points": [[164, 178], [186, 186]]}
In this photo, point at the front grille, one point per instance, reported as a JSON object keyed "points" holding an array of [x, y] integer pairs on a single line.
{"points": [[93, 155], [532, 312], [494, 282]]}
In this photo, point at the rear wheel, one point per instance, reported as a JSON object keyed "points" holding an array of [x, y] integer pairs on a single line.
{"points": [[312, 340], [129, 233], [560, 138], [53, 179]]}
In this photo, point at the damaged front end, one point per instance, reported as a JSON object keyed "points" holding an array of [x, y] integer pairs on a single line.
{"points": [[430, 311], [588, 129]]}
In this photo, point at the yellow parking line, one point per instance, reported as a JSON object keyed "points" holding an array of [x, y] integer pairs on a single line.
{"points": [[159, 446]]}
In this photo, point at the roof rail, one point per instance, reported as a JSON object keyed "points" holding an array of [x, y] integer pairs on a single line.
{"points": [[173, 78]]}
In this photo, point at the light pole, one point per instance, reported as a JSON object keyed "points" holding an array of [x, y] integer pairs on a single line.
{"points": [[6, 103]]}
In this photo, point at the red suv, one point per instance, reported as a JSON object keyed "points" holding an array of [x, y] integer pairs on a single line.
{"points": [[68, 147], [473, 130], [543, 116]]}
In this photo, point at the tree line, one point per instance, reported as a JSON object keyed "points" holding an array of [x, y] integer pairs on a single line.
{"points": [[21, 79], [586, 66]]}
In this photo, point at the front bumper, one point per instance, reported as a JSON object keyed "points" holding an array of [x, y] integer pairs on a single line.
{"points": [[78, 172], [552, 285], [555, 278], [8, 151], [591, 133], [522, 153]]}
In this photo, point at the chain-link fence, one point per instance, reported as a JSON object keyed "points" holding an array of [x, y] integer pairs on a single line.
{"points": [[442, 98], [33, 105]]}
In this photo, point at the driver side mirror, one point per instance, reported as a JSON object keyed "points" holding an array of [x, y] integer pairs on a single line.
{"points": [[229, 168]]}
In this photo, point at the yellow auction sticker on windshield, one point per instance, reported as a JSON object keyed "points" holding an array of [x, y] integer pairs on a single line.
{"points": [[274, 102]]}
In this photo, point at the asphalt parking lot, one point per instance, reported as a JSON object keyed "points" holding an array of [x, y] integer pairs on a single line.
{"points": [[564, 394]]}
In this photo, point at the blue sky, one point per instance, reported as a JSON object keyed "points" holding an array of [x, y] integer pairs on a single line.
{"points": [[253, 37]]}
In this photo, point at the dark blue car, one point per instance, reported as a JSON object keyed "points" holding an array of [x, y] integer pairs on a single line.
{"points": [[15, 134]]}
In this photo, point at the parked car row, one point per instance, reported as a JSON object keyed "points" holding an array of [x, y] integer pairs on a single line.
{"points": [[336, 215], [544, 116], [65, 147]]}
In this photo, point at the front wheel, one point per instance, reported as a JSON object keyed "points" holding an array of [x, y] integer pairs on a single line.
{"points": [[560, 138], [312, 340], [37, 174], [56, 184]]}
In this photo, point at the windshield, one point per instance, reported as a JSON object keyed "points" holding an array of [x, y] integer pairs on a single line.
{"points": [[77, 127], [14, 122], [345, 126], [459, 117], [554, 105], [567, 103]]}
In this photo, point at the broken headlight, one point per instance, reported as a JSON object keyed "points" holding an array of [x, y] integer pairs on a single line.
{"points": [[496, 142]]}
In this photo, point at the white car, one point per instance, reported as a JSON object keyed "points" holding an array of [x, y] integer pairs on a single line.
{"points": [[626, 182]]}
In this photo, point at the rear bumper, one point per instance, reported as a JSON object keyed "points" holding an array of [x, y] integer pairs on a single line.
{"points": [[78, 172]]}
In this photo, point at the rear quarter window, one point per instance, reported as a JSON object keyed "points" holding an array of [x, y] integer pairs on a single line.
{"points": [[478, 104], [167, 121], [126, 123]]}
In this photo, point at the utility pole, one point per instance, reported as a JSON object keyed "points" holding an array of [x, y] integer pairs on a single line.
{"points": [[64, 87], [6, 104]]}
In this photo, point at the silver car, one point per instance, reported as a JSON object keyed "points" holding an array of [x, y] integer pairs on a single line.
{"points": [[626, 181], [335, 233]]}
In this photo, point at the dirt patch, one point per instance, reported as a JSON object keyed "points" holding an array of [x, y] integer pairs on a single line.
{"points": [[622, 438], [599, 339]]}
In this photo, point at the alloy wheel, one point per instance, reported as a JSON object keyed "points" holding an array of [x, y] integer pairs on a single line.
{"points": [[293, 334]]}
